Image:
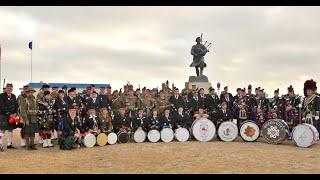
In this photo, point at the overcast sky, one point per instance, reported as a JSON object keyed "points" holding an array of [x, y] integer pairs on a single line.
{"points": [[271, 47]]}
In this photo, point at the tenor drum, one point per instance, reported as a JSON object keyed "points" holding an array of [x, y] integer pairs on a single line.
{"points": [[228, 131], [182, 134], [166, 134], [305, 135], [123, 137], [89, 140], [249, 131], [139, 136], [102, 139], [153, 135], [203, 130], [112, 138], [275, 131]]}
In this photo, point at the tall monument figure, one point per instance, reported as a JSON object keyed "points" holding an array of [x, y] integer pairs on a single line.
{"points": [[198, 51]]}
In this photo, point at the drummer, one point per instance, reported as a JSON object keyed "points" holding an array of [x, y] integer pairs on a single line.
{"points": [[106, 120], [121, 120], [167, 121], [225, 114], [92, 123], [72, 131], [139, 120], [182, 119], [201, 114], [153, 120]]}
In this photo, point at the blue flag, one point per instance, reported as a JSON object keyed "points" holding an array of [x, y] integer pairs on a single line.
{"points": [[30, 45]]}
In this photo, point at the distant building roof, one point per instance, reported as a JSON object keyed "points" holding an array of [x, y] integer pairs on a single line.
{"points": [[69, 85]]}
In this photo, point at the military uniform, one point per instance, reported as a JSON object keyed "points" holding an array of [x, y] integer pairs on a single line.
{"points": [[139, 121], [106, 123], [8, 107], [71, 134], [153, 123], [132, 104], [167, 122], [147, 102], [92, 122], [28, 113], [61, 108], [291, 107], [276, 108], [182, 120], [162, 104], [176, 101], [120, 121], [46, 121], [116, 104]]}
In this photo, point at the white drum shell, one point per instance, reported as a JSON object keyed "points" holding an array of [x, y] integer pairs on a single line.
{"points": [[182, 134], [153, 135], [89, 140], [139, 136], [305, 135], [203, 130], [243, 128], [228, 131], [167, 134], [112, 138]]}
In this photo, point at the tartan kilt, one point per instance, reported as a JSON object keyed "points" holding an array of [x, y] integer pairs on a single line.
{"points": [[5, 125]]}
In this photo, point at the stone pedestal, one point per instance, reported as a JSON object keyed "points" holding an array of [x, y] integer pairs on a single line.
{"points": [[200, 82]]}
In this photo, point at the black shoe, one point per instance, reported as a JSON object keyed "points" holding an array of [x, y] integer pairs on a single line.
{"points": [[1, 149], [11, 147], [33, 148], [29, 148], [24, 146]]}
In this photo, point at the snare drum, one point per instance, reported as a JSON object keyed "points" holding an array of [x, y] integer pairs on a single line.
{"points": [[228, 131], [275, 131], [154, 135], [249, 131], [182, 134], [305, 135], [89, 140], [166, 134], [123, 137], [112, 138], [102, 139], [203, 130], [139, 135]]}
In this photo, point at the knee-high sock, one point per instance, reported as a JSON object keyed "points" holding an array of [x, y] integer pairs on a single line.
{"points": [[10, 137], [1, 137]]}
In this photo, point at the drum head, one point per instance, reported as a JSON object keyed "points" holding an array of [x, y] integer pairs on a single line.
{"points": [[112, 138], [249, 131], [203, 130], [228, 131], [167, 135], [274, 131], [154, 135], [315, 132], [182, 134], [139, 136], [89, 140], [102, 139], [123, 137], [303, 135]]}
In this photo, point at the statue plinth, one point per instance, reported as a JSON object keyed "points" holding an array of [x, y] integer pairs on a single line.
{"points": [[200, 82]]}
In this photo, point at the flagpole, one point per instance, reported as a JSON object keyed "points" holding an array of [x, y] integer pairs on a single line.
{"points": [[31, 65], [0, 67]]}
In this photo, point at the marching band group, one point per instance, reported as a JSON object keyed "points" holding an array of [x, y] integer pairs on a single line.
{"points": [[67, 115]]}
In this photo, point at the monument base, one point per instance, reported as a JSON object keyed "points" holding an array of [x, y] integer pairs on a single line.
{"points": [[204, 85]]}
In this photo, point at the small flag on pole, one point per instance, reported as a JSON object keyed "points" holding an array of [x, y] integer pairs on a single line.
{"points": [[30, 45]]}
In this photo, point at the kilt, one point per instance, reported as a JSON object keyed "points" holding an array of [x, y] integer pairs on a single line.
{"points": [[31, 129], [66, 142], [5, 125]]}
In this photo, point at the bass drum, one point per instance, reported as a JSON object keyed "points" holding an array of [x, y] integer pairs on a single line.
{"points": [[166, 134], [275, 131], [112, 138], [228, 131], [89, 140], [182, 134], [139, 136], [305, 135], [203, 130], [154, 135], [123, 137], [102, 139], [249, 131]]}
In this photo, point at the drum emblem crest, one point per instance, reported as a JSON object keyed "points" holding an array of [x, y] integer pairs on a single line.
{"points": [[273, 131], [250, 131], [203, 128], [226, 132]]}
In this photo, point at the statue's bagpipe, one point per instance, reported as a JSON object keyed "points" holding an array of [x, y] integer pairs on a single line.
{"points": [[206, 43]]}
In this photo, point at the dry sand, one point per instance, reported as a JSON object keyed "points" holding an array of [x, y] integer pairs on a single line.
{"points": [[173, 157]]}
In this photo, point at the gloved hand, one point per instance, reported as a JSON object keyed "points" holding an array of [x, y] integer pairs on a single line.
{"points": [[316, 118]]}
